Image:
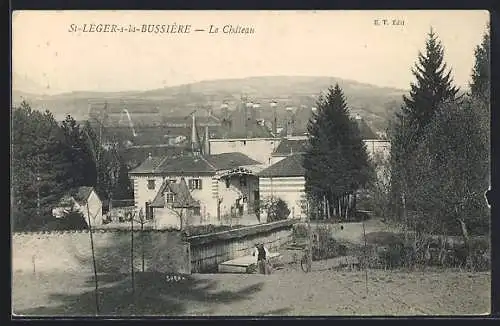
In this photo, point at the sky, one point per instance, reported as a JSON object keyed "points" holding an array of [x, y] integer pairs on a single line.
{"points": [[344, 44]]}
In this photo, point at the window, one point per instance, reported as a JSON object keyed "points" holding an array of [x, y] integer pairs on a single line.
{"points": [[195, 184], [196, 211], [151, 184], [169, 197], [228, 182], [243, 181]]}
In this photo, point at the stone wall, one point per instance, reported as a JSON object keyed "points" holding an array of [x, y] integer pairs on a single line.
{"points": [[164, 251], [70, 251], [208, 251]]}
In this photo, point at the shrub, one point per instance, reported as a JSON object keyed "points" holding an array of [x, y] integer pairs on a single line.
{"points": [[72, 221], [300, 231], [325, 246], [276, 209]]}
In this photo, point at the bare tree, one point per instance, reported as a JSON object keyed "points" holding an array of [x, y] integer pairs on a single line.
{"points": [[93, 259], [142, 221], [132, 273]]}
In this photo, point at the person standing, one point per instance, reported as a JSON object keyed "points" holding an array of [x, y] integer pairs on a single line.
{"points": [[262, 254]]}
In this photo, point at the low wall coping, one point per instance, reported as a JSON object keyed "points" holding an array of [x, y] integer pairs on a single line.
{"points": [[240, 232]]}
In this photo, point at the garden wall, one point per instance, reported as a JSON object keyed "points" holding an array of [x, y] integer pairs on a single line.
{"points": [[70, 251]]}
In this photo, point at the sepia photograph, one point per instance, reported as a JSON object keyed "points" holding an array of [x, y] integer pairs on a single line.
{"points": [[250, 163]]}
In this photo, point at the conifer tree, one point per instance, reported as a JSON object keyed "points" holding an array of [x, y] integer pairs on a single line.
{"points": [[39, 169], [480, 85], [433, 88], [433, 85], [336, 163]]}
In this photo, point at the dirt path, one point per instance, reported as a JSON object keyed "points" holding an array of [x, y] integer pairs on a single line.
{"points": [[286, 292]]}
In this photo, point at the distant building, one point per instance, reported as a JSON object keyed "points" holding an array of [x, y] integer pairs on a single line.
{"points": [[84, 200], [285, 180], [259, 149], [289, 146]]}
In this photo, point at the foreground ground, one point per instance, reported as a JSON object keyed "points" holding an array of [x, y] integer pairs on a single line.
{"points": [[286, 292]]}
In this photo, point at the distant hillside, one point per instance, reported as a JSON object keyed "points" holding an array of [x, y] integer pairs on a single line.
{"points": [[372, 102]]}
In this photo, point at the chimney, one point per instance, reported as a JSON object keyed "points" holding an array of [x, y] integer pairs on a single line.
{"points": [[206, 150]]}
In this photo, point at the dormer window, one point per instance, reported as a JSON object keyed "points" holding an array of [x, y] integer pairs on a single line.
{"points": [[169, 197]]}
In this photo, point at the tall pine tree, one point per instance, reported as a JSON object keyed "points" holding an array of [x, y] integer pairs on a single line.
{"points": [[480, 85], [336, 163], [433, 88]]}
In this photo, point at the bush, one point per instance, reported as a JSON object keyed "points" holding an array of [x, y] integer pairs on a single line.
{"points": [[276, 209], [325, 246], [72, 221], [384, 238], [300, 231]]}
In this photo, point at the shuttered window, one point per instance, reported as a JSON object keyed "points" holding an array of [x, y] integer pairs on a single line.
{"points": [[195, 184]]}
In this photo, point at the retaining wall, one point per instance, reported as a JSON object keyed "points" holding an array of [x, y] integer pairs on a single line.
{"points": [[208, 251]]}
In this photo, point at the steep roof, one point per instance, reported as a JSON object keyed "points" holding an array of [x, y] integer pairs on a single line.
{"points": [[135, 155], [184, 164], [291, 146], [290, 166], [225, 161], [148, 165], [79, 194], [194, 164], [182, 196]]}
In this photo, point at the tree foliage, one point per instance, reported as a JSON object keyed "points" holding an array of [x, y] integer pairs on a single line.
{"points": [[276, 209], [49, 159], [451, 171], [440, 150], [40, 171], [433, 88], [433, 85], [336, 164], [481, 76]]}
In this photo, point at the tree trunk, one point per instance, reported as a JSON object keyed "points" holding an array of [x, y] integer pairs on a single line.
{"points": [[328, 208], [340, 207], [142, 245], [405, 215], [465, 236], [324, 207], [132, 253], [347, 207]]}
